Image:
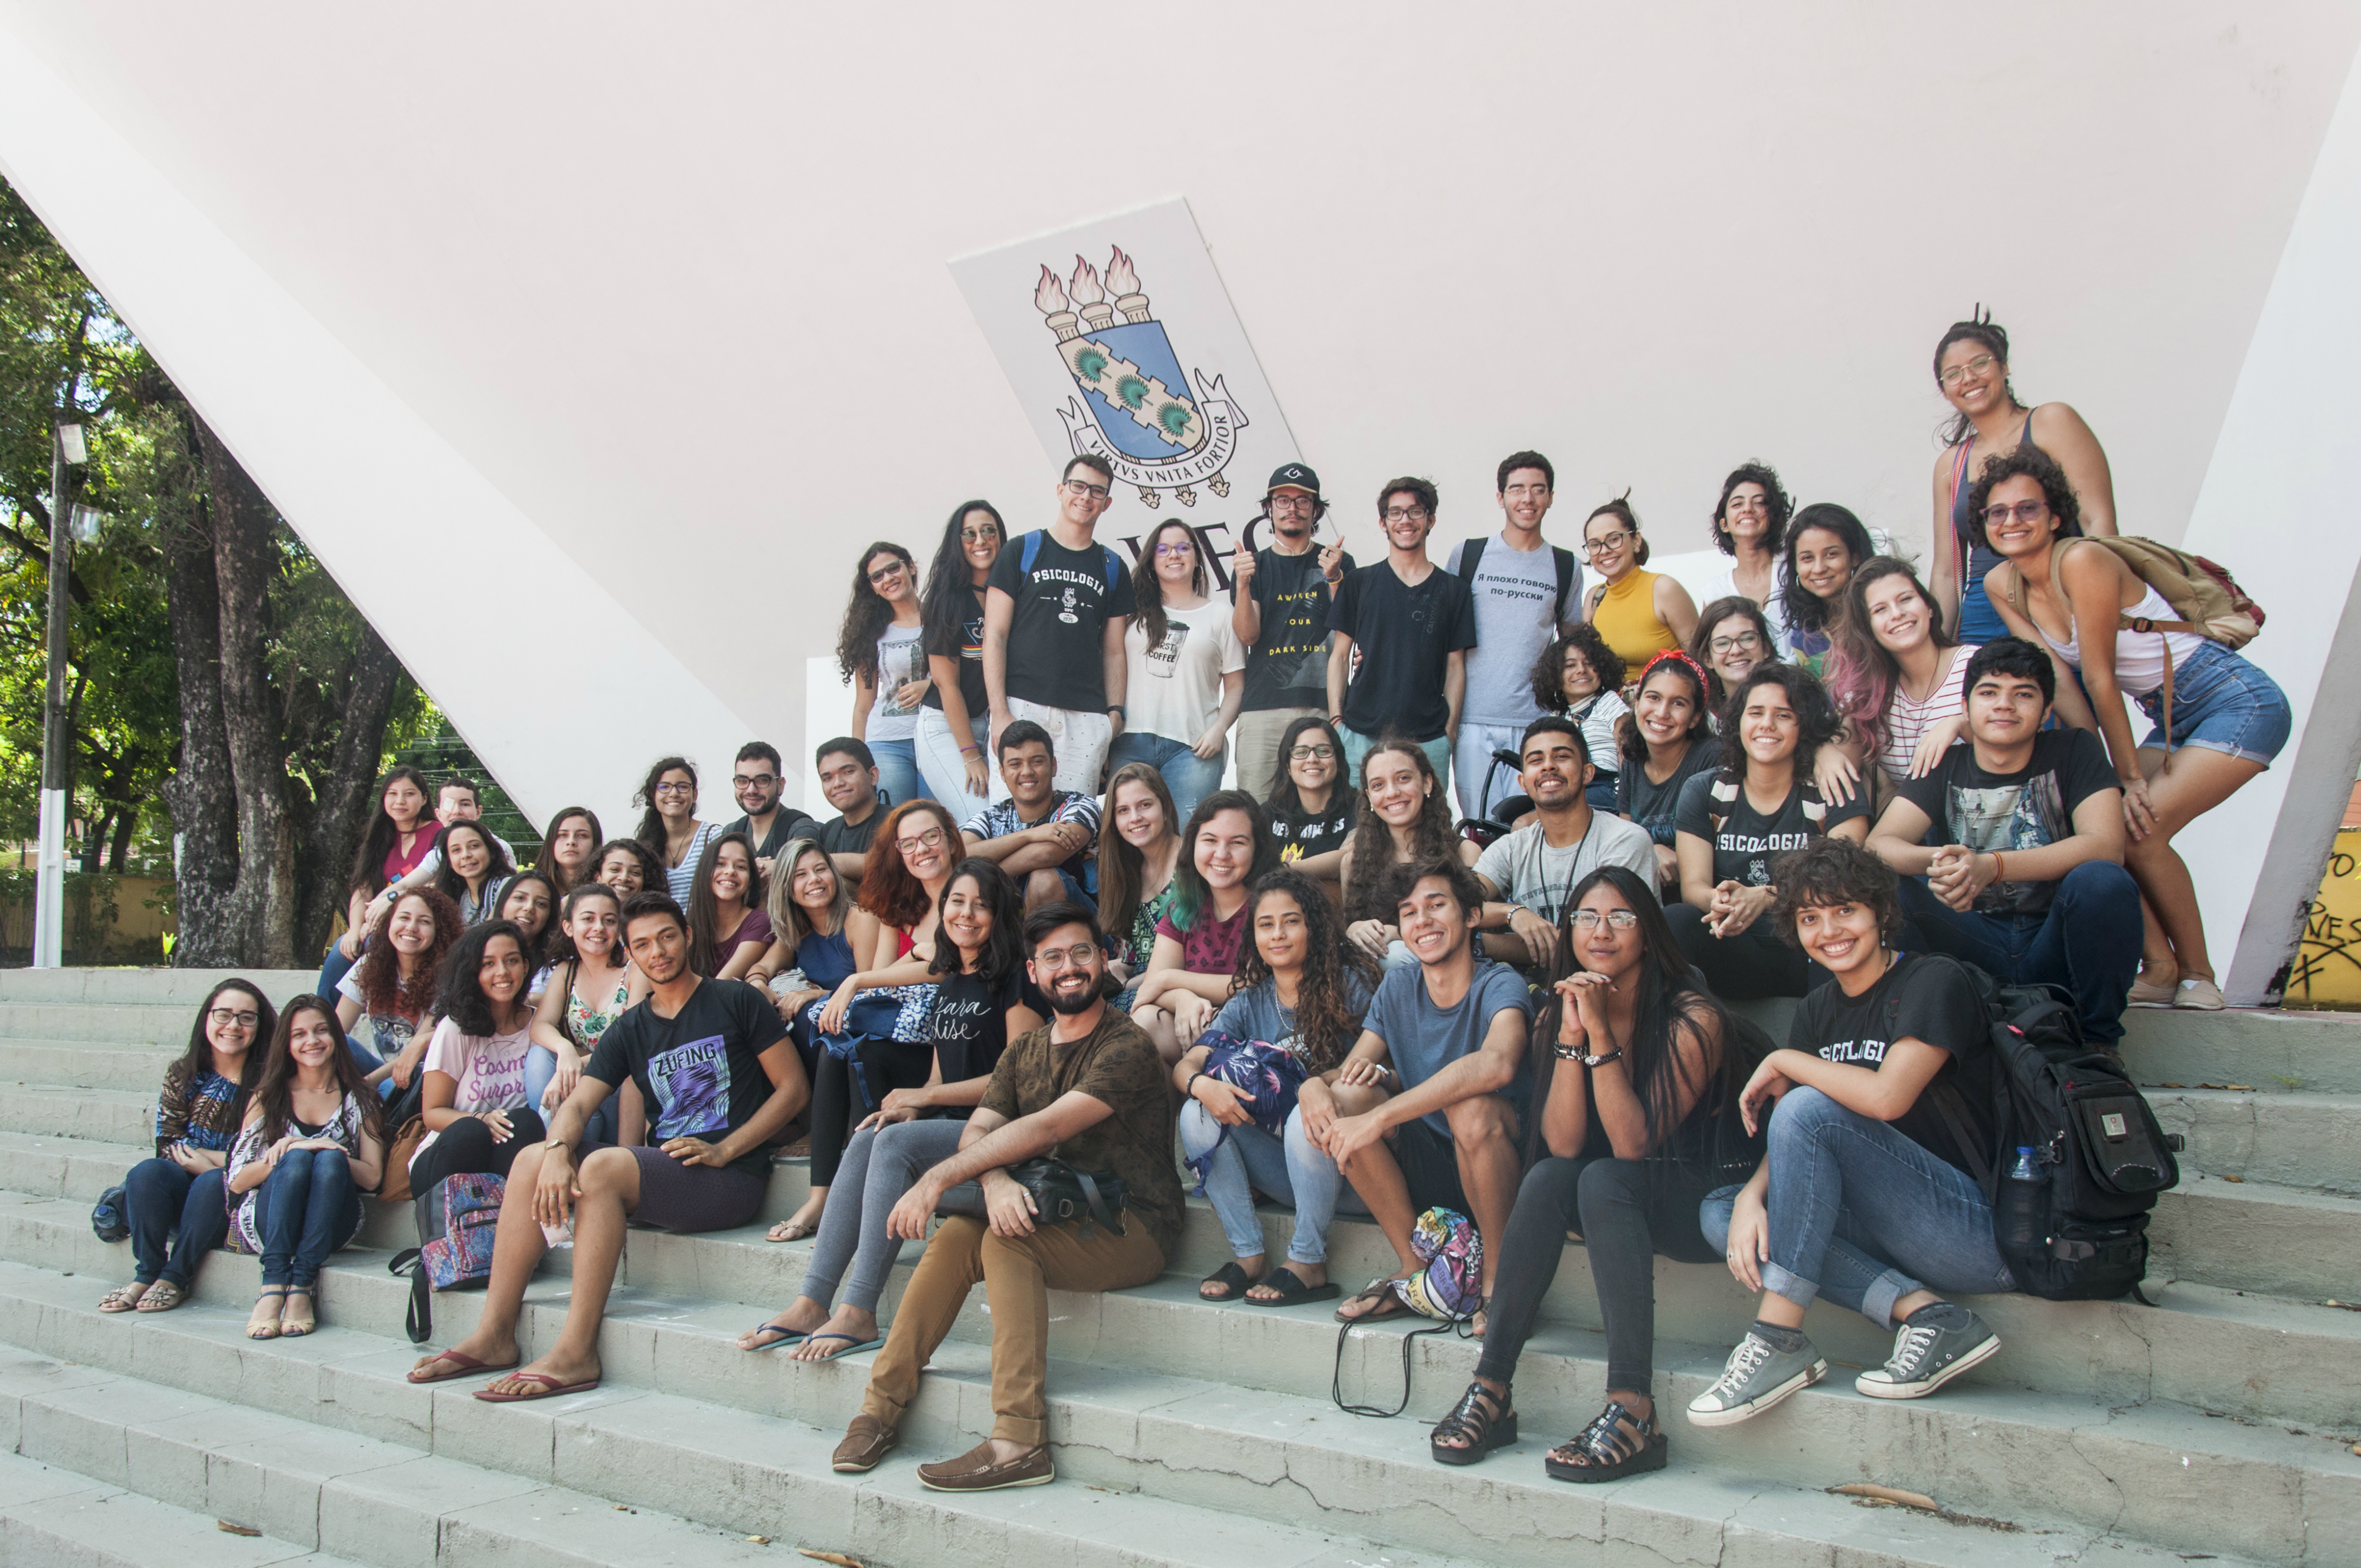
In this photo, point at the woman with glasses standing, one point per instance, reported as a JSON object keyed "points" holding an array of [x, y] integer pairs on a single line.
{"points": [[1312, 812], [1185, 669], [882, 650], [669, 829], [1971, 370], [1640, 613], [955, 716]]}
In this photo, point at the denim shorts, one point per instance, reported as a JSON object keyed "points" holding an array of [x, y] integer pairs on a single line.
{"points": [[2221, 703]]}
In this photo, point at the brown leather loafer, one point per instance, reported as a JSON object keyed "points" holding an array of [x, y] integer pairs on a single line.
{"points": [[866, 1441], [974, 1471]]}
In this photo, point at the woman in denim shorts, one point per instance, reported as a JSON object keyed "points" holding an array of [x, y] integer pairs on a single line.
{"points": [[2227, 719]]}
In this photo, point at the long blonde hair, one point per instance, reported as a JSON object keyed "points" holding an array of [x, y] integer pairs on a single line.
{"points": [[789, 924]]}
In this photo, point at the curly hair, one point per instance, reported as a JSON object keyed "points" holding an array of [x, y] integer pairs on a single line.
{"points": [[2030, 463], [651, 831], [1548, 676], [1373, 841], [1147, 589], [1630, 743], [651, 869], [1324, 1017], [1828, 871], [1780, 505], [888, 891], [460, 995], [1805, 610], [383, 990], [867, 613], [1816, 719], [1988, 334], [1861, 673]]}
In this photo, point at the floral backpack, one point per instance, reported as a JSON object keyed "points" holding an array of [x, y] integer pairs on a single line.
{"points": [[1449, 1287]]}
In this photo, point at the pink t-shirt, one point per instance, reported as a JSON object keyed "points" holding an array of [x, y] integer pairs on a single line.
{"points": [[488, 1069], [1211, 946]]}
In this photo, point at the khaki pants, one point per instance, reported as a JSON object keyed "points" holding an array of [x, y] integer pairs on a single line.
{"points": [[1018, 1275], [1256, 746]]}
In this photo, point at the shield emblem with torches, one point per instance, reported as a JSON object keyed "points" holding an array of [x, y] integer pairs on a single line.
{"points": [[1137, 408]]}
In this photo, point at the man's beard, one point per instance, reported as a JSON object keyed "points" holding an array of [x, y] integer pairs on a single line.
{"points": [[1070, 1002]]}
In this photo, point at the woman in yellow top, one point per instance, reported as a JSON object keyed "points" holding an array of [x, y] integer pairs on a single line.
{"points": [[1640, 613]]}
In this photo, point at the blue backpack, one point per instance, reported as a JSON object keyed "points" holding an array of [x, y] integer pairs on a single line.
{"points": [[1029, 550]]}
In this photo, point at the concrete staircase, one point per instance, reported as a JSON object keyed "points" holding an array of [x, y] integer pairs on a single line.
{"points": [[2217, 1424]]}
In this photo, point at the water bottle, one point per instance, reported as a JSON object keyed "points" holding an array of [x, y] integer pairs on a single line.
{"points": [[2020, 1200]]}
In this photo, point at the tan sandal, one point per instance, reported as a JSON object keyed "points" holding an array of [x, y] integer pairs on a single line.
{"points": [[268, 1303], [123, 1297], [293, 1324], [162, 1296]]}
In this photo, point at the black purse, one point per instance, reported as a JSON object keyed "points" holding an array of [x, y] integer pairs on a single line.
{"points": [[1059, 1193]]}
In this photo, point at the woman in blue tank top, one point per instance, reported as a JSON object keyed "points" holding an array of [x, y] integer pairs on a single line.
{"points": [[1971, 370]]}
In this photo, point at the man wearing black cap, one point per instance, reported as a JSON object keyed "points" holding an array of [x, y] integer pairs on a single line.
{"points": [[1281, 596]]}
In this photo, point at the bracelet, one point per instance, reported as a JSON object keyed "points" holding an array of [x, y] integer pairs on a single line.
{"points": [[1117, 708], [1567, 1053], [965, 750], [2000, 869], [1189, 1090]]}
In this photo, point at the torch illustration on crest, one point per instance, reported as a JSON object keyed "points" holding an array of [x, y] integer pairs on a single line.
{"points": [[1136, 407]]}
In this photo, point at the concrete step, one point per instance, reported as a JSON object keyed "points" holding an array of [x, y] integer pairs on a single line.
{"points": [[121, 1116], [2293, 1140], [2277, 1052], [53, 1517], [1169, 1454], [113, 1024], [2255, 1235], [85, 1063], [182, 988], [74, 1168]]}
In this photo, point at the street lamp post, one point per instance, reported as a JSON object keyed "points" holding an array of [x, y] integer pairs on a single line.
{"points": [[49, 875]]}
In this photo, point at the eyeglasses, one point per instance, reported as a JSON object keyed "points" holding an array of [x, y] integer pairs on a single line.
{"points": [[1588, 920], [1311, 754], [1176, 549], [1743, 640], [1606, 542], [1095, 492], [1407, 514], [1958, 372], [2026, 512], [228, 1019], [932, 839], [676, 789], [745, 780], [1294, 503], [978, 535], [1079, 956], [884, 574]]}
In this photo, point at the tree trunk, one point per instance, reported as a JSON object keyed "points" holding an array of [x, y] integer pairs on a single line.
{"points": [[347, 795], [199, 791], [118, 852], [263, 901]]}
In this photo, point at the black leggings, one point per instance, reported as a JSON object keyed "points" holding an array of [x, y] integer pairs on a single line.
{"points": [[836, 1104], [1752, 964], [466, 1148], [1626, 1212]]}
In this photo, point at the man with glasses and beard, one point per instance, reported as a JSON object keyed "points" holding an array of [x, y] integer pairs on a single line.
{"points": [[1279, 597], [1085, 1088], [769, 824]]}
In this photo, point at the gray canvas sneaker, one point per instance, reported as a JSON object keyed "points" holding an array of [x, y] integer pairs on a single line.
{"points": [[1759, 1375], [1944, 1342]]}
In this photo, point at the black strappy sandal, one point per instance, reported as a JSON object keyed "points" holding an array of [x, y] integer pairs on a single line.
{"points": [[1610, 1451], [1486, 1426]]}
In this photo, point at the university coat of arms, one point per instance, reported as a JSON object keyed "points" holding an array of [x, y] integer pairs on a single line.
{"points": [[1136, 407]]}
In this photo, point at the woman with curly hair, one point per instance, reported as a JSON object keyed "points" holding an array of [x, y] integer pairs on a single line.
{"points": [[1750, 526], [1635, 1124], [1580, 676], [1300, 988], [626, 866], [880, 649], [1667, 741], [1824, 547], [955, 716], [477, 1118], [1735, 823], [393, 986], [1405, 818]]}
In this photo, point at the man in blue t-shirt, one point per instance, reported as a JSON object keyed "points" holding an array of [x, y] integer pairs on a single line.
{"points": [[1447, 1041], [2011, 850]]}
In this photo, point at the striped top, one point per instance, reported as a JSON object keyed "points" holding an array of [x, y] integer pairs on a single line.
{"points": [[1906, 722]]}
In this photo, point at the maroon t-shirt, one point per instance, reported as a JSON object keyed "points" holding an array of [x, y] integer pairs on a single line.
{"points": [[1212, 947], [399, 865]]}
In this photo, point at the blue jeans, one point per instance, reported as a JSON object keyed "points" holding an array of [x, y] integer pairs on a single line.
{"points": [[540, 1068], [1848, 1193], [1189, 777], [2089, 942], [1359, 746], [2221, 703], [897, 771], [1252, 1159], [306, 1210], [159, 1198], [334, 967]]}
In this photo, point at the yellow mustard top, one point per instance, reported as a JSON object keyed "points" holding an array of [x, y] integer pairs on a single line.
{"points": [[1627, 618]]}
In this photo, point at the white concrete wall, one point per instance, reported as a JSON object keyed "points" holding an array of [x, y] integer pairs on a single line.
{"points": [[654, 302]]}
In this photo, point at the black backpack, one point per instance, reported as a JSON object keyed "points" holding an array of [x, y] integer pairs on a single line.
{"points": [[1472, 550], [2101, 1155]]}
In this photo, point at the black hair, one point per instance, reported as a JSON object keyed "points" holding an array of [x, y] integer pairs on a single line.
{"points": [[1050, 916], [1828, 871], [1020, 732], [944, 607], [1285, 798], [1147, 589], [1516, 460], [2030, 463], [1780, 505], [704, 909], [1192, 896], [1701, 639], [1979, 328], [1410, 485], [1816, 719], [1548, 676], [1620, 509], [652, 825], [2012, 656], [651, 866], [461, 781], [273, 1092], [562, 950], [1630, 744], [1555, 724], [379, 839], [1325, 1020], [198, 1060], [447, 880], [855, 749], [1004, 944], [652, 901], [461, 995], [868, 613], [756, 752], [536, 947], [1804, 608], [1465, 888], [1090, 460]]}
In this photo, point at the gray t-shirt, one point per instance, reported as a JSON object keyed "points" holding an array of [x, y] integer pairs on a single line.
{"points": [[1424, 1039], [1526, 869], [1516, 611], [1259, 1015]]}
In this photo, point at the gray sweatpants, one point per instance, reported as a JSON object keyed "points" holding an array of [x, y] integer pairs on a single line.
{"points": [[878, 1167]]}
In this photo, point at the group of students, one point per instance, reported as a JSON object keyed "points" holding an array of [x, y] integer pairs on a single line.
{"points": [[1333, 997]]}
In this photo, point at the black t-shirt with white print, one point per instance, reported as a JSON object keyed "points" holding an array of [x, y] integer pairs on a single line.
{"points": [[1750, 842], [1925, 997], [698, 1070], [2028, 810], [1055, 651], [969, 1023]]}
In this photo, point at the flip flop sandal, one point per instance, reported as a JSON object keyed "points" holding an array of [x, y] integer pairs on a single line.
{"points": [[795, 1233], [1610, 1451], [162, 1296], [123, 1297], [1293, 1291], [1488, 1421], [786, 1336], [1389, 1304], [462, 1365], [550, 1388], [852, 1345], [1230, 1277]]}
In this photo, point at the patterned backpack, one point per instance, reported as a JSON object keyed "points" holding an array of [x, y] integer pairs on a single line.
{"points": [[457, 1218]]}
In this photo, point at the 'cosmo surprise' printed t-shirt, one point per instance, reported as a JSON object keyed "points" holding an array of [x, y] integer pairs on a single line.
{"points": [[697, 1070]]}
